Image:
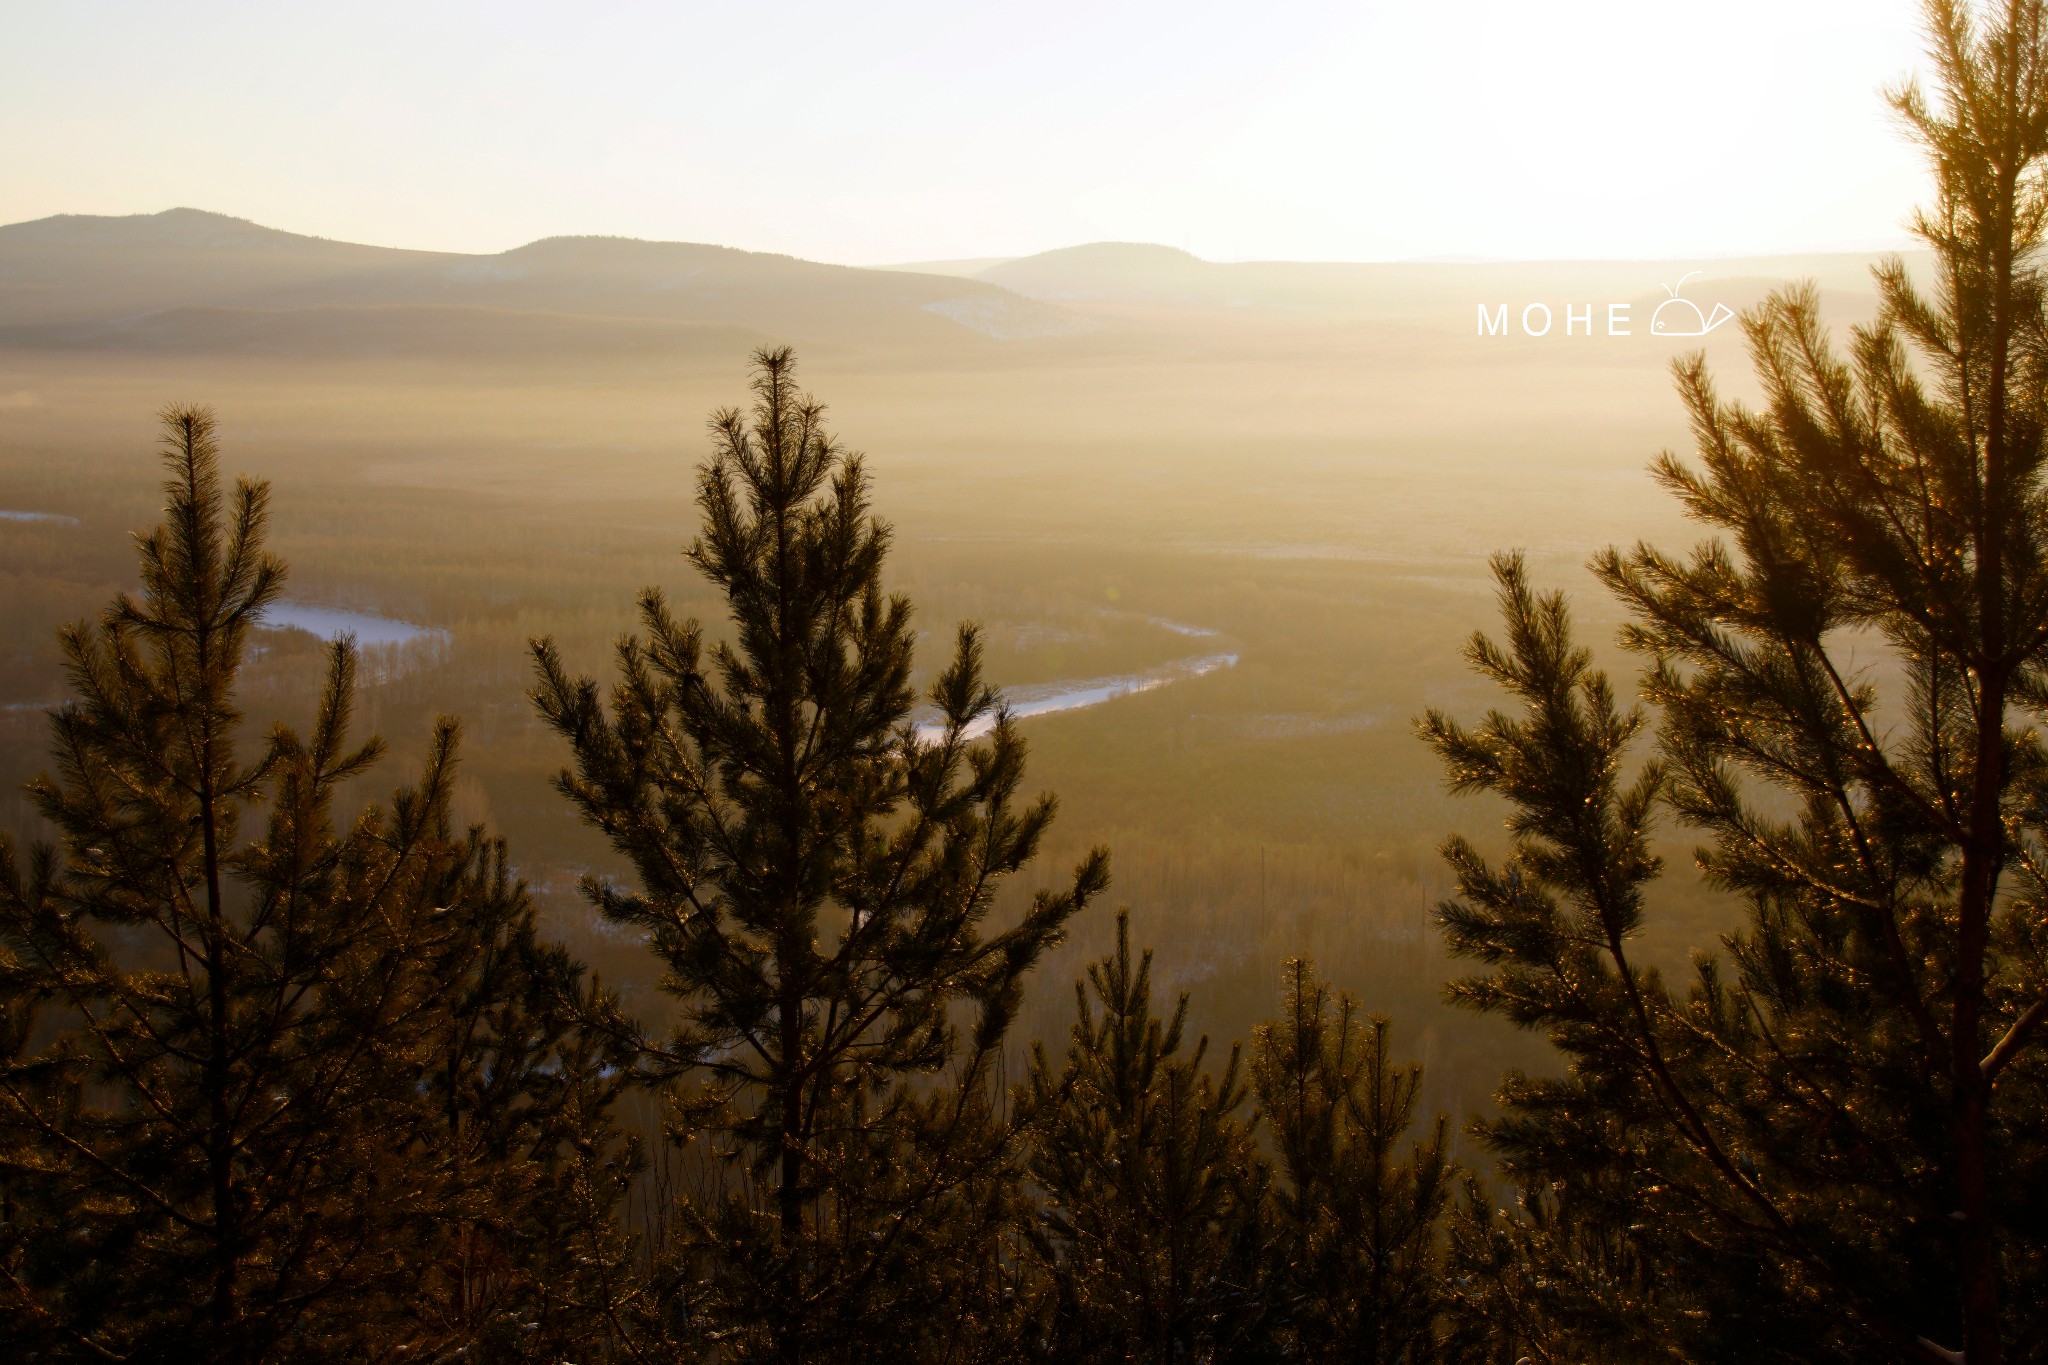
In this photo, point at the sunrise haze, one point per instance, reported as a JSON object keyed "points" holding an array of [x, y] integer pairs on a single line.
{"points": [[908, 131]]}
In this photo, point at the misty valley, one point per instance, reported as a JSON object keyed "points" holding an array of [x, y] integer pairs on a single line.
{"points": [[1225, 526]]}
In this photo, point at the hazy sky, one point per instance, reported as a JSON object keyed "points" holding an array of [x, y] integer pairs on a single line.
{"points": [[892, 131]]}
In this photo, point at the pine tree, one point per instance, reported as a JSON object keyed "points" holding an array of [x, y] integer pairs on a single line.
{"points": [[1829, 1147], [232, 1061], [1361, 1221], [526, 1256], [1154, 1227], [1547, 1283], [816, 877]]}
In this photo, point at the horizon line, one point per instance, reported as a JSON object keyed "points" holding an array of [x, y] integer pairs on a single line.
{"points": [[1895, 244]]}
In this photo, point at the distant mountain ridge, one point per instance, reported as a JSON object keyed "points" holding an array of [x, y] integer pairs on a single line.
{"points": [[185, 276], [1131, 274]]}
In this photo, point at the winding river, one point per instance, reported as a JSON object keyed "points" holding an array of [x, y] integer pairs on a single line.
{"points": [[1073, 696], [331, 623]]}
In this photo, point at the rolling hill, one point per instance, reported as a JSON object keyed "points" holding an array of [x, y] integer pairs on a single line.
{"points": [[204, 281]]}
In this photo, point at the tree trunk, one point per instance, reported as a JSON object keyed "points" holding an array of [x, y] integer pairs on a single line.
{"points": [[1977, 1255], [220, 1150]]}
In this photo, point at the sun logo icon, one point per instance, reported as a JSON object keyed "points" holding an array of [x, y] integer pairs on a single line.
{"points": [[1679, 317]]}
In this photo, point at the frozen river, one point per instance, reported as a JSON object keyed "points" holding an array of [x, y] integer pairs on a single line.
{"points": [[1073, 696], [331, 623]]}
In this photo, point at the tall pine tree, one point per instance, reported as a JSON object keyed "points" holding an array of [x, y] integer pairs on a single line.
{"points": [[257, 1078], [1829, 1146], [817, 877]]}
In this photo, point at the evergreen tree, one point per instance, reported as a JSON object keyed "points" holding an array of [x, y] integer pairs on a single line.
{"points": [[233, 1062], [1154, 1225], [1830, 1145], [526, 1257], [816, 877], [1561, 1278], [1361, 1221]]}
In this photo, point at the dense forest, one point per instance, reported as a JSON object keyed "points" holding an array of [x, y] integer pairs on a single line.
{"points": [[296, 1065]]}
